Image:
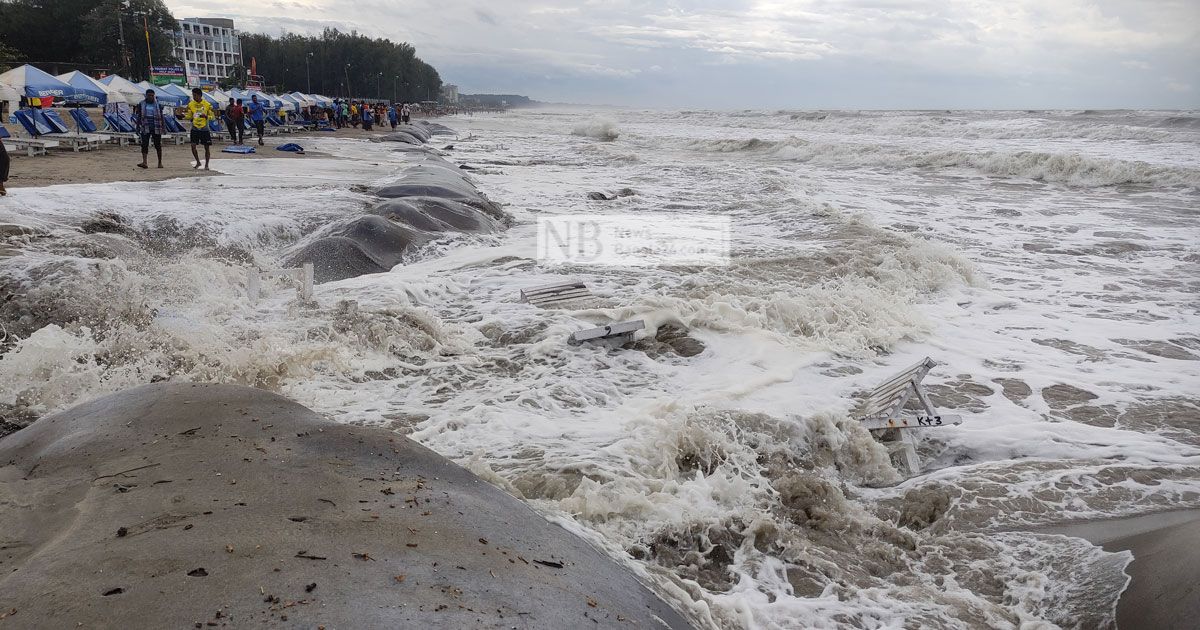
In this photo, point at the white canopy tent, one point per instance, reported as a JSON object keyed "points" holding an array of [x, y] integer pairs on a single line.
{"points": [[130, 93], [11, 97]]}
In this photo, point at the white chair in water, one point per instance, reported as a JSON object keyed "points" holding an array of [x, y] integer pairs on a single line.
{"points": [[882, 413], [550, 295], [302, 276], [620, 333]]}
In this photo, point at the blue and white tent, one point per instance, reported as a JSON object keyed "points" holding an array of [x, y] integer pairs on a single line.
{"points": [[87, 90], [131, 93], [163, 96], [290, 102], [186, 94], [34, 83]]}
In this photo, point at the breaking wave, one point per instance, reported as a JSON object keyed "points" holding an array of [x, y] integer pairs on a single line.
{"points": [[598, 128], [1066, 168]]}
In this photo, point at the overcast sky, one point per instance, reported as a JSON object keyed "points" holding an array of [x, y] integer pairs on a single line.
{"points": [[780, 53]]}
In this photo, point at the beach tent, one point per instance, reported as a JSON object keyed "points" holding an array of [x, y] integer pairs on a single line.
{"points": [[290, 102], [87, 90], [9, 94], [221, 96], [304, 99], [165, 97], [176, 91], [130, 92], [34, 83]]}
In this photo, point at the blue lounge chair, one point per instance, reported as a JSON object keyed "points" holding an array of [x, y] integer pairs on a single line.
{"points": [[119, 123], [36, 124], [33, 126], [84, 124], [32, 146], [78, 141]]}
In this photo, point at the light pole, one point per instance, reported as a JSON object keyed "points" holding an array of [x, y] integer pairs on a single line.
{"points": [[395, 80], [378, 81], [349, 88], [307, 76]]}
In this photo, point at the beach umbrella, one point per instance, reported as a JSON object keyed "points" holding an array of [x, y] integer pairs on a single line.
{"points": [[130, 92], [87, 90], [34, 83]]}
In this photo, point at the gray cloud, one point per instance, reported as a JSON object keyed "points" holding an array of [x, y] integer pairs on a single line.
{"points": [[782, 53]]}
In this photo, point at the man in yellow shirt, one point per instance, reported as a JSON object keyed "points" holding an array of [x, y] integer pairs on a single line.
{"points": [[200, 113]]}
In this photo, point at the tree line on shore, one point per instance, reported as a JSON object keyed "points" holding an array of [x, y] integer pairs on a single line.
{"points": [[111, 36], [342, 64]]}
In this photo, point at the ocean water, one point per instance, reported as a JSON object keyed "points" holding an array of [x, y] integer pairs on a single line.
{"points": [[1048, 261]]}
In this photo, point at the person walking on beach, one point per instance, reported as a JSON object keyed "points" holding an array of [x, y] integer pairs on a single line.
{"points": [[258, 116], [405, 113], [393, 116], [345, 114], [200, 112], [367, 119], [237, 122], [227, 116], [151, 126]]}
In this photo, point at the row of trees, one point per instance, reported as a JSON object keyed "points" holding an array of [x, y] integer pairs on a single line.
{"points": [[63, 35], [342, 64]]}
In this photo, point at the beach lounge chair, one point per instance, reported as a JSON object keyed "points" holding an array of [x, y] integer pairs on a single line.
{"points": [[38, 126], [881, 413], [84, 124], [621, 333], [301, 276], [82, 141], [32, 146], [175, 130], [280, 125], [268, 130], [119, 123], [218, 132], [552, 294]]}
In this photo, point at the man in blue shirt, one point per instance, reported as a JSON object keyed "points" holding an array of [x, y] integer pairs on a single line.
{"points": [[258, 116], [393, 115], [151, 125]]}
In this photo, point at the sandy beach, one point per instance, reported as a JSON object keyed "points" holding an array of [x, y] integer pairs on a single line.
{"points": [[1164, 589], [114, 163]]}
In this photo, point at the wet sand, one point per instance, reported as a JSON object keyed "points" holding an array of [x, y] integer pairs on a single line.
{"points": [[1164, 592]]}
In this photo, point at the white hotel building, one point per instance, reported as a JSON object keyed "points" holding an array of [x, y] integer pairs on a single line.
{"points": [[208, 47]]}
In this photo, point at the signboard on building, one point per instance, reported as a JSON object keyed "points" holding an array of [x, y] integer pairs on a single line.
{"points": [[162, 75]]}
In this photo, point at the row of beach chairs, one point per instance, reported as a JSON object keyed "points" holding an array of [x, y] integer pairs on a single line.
{"points": [[45, 129]]}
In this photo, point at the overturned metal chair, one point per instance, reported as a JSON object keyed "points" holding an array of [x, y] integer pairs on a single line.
{"points": [[882, 413], [552, 294], [620, 333], [302, 275]]}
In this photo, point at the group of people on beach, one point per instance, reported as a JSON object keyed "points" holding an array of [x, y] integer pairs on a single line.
{"points": [[149, 117], [151, 123], [350, 113]]}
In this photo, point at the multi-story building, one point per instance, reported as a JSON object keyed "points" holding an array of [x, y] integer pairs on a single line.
{"points": [[450, 93], [208, 47]]}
